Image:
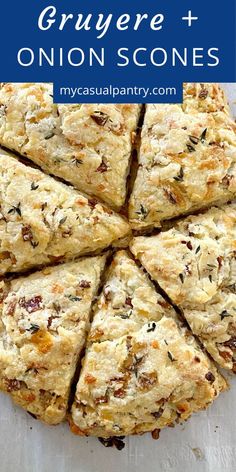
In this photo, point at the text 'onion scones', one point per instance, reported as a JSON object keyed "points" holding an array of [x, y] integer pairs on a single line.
{"points": [[195, 263], [87, 145], [142, 369], [44, 319], [187, 158], [42, 220]]}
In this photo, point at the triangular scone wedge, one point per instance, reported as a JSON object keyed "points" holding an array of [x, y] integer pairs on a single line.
{"points": [[187, 161], [194, 263], [43, 220], [87, 145], [44, 321], [215, 325], [142, 370]]}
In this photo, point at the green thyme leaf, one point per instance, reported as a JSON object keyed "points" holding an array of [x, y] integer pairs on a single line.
{"points": [[194, 139], [143, 212], [34, 186], [171, 357], [180, 176], [181, 276], [15, 209], [224, 314], [74, 298], [151, 327], [203, 135], [33, 328], [49, 135], [190, 148], [63, 220]]}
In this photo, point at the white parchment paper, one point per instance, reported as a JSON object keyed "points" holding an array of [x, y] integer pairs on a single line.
{"points": [[206, 443]]}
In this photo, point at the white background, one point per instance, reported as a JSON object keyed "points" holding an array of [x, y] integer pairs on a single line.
{"points": [[206, 443]]}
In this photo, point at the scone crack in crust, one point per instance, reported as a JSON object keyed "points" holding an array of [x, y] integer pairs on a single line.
{"points": [[194, 263], [142, 370], [44, 322], [187, 159], [88, 145], [43, 221]]}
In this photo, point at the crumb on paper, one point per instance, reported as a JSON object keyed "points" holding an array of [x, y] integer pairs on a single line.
{"points": [[116, 442], [197, 453], [155, 434]]}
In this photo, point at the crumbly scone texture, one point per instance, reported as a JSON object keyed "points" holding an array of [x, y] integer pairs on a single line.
{"points": [[44, 320], [142, 370], [43, 221], [87, 145], [194, 262], [187, 158]]}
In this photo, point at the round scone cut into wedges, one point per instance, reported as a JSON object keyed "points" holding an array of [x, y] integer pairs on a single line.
{"points": [[87, 145], [142, 370], [187, 158], [194, 263], [43, 220], [44, 319]]}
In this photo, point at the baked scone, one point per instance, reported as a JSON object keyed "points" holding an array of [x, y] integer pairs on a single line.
{"points": [[43, 220], [187, 159], [142, 370], [194, 263], [206, 97], [214, 323], [87, 145], [44, 319]]}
